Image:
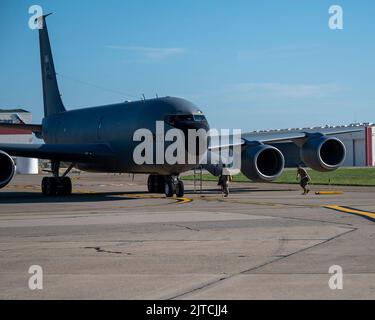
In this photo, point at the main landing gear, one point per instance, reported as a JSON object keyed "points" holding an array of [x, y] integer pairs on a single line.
{"points": [[57, 185], [169, 185]]}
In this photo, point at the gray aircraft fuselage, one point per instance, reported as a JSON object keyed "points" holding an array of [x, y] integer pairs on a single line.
{"points": [[114, 125]]}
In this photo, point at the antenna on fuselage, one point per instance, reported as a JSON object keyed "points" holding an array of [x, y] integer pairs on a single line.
{"points": [[143, 96]]}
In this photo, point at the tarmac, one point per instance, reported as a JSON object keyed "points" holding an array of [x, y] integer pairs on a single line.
{"points": [[113, 240]]}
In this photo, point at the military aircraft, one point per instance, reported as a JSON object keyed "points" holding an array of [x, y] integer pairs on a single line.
{"points": [[101, 139]]}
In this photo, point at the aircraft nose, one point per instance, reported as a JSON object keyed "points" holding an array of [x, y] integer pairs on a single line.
{"points": [[191, 122]]}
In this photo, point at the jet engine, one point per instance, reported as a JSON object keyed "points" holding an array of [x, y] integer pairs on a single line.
{"points": [[262, 162], [7, 169], [323, 153]]}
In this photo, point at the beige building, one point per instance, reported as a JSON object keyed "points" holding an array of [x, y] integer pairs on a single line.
{"points": [[11, 135], [23, 165]]}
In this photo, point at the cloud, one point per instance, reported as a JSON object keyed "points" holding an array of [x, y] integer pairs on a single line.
{"points": [[260, 105], [281, 52], [268, 92], [282, 90], [150, 54]]}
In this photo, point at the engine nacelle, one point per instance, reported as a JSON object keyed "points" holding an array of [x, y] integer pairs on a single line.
{"points": [[7, 169], [323, 153], [262, 163]]}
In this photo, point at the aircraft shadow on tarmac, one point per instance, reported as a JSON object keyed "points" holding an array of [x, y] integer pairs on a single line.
{"points": [[241, 190], [35, 197]]}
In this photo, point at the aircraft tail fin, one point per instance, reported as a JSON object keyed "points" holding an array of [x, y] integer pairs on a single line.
{"points": [[51, 95]]}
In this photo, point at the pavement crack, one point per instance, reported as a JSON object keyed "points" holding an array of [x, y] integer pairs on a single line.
{"points": [[299, 251], [221, 279], [99, 249], [185, 227]]}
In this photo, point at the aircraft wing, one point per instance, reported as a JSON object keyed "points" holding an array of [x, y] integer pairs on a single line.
{"points": [[61, 152], [290, 136], [272, 137]]}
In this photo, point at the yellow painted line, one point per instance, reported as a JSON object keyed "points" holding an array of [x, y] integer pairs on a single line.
{"points": [[328, 192], [258, 203], [143, 196], [83, 191], [177, 200], [366, 214], [184, 200]]}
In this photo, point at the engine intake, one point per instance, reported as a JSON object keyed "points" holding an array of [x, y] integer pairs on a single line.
{"points": [[323, 153], [262, 163], [7, 169]]}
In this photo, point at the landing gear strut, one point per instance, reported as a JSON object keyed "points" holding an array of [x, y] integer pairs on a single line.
{"points": [[57, 185], [169, 185]]}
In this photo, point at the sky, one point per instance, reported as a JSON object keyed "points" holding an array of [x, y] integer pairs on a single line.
{"points": [[247, 64]]}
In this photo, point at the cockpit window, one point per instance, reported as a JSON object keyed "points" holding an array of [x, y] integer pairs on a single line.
{"points": [[173, 119], [199, 117]]}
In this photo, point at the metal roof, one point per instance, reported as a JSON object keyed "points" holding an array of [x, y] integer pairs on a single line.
{"points": [[13, 111], [350, 126]]}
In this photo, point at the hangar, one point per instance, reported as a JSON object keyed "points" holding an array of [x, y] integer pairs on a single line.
{"points": [[15, 135], [18, 136], [360, 146]]}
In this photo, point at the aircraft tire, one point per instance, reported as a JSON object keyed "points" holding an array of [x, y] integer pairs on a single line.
{"points": [[64, 186], [160, 184], [44, 186], [169, 189], [155, 184], [151, 184], [180, 189], [49, 186]]}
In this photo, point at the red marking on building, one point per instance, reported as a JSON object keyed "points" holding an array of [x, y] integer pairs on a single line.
{"points": [[13, 131], [369, 159]]}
